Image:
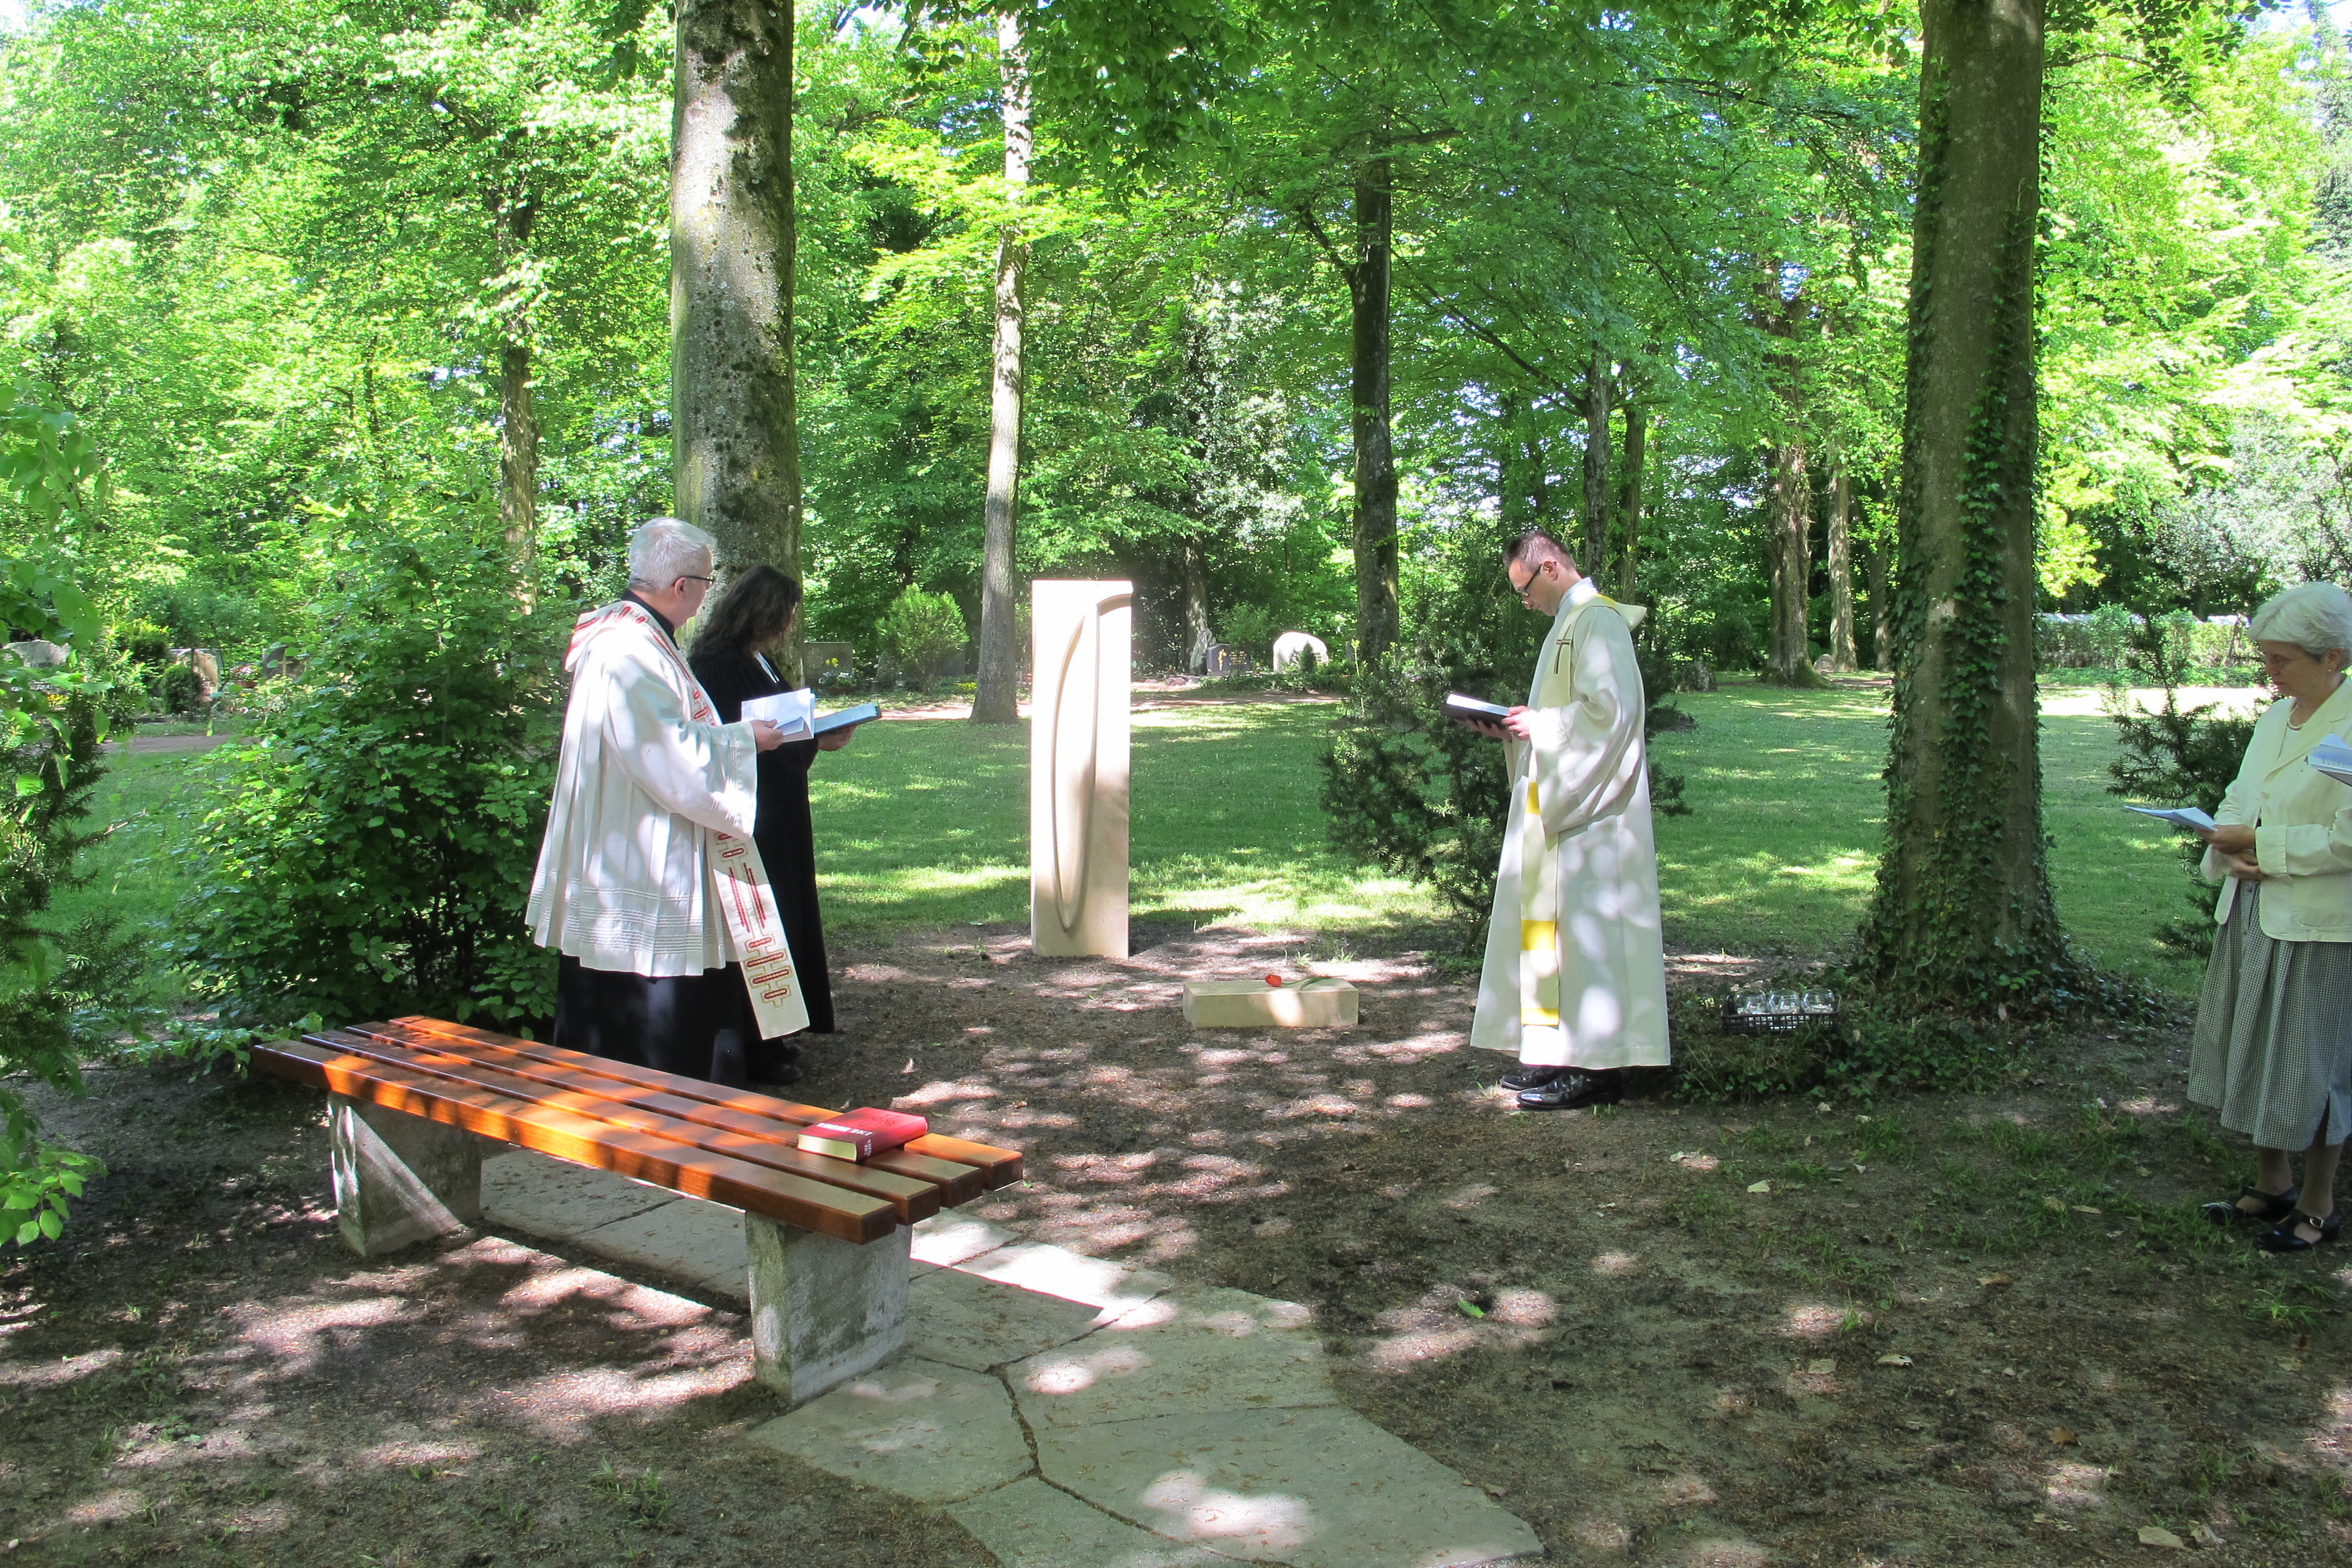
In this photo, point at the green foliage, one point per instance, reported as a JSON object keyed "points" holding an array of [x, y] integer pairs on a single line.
{"points": [[371, 851], [924, 631], [2175, 756], [1870, 1049], [177, 689]]}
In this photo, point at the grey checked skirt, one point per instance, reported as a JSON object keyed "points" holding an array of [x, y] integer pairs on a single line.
{"points": [[2272, 1050]]}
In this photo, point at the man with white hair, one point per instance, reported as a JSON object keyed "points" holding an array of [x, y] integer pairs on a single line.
{"points": [[649, 884]]}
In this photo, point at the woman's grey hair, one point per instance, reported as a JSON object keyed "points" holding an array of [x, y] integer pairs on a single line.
{"points": [[665, 550], [2314, 616]]}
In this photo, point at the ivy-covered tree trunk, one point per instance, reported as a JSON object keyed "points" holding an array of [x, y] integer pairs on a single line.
{"points": [[518, 420], [736, 451], [1629, 497], [1963, 916], [1881, 634], [1789, 552], [1595, 549], [1841, 544], [995, 697], [1377, 610]]}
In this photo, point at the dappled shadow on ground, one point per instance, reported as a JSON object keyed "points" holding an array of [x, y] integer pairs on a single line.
{"points": [[1664, 1334], [203, 1374]]}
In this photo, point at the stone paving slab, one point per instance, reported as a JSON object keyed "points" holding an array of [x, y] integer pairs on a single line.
{"points": [[975, 1323], [1313, 1488], [1184, 1351], [537, 1193], [691, 1239], [1116, 1288], [1030, 1525], [950, 1237], [933, 1433]]}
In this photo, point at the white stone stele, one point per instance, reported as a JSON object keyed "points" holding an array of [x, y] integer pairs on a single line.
{"points": [[1314, 1003], [1290, 646], [400, 1179], [1078, 768]]}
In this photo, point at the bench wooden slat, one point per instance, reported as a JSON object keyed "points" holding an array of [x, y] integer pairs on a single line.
{"points": [[778, 1195], [912, 1199], [957, 1183], [1002, 1166]]}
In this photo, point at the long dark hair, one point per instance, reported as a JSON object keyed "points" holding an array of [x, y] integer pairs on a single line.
{"points": [[756, 607]]}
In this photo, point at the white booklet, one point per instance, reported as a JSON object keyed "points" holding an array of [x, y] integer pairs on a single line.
{"points": [[793, 712], [2334, 758], [2178, 815]]}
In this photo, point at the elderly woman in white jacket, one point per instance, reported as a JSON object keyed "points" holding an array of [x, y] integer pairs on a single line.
{"points": [[2272, 1049]]}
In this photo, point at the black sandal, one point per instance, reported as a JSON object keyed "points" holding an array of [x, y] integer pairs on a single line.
{"points": [[2275, 1207], [2284, 1239]]}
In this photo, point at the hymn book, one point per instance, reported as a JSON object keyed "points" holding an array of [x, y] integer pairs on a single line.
{"points": [[847, 718], [1469, 710], [862, 1133], [2334, 758]]}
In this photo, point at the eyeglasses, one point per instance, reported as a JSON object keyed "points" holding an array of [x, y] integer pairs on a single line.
{"points": [[690, 577], [1524, 589]]}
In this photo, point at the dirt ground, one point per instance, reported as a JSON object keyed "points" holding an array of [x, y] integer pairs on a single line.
{"points": [[1948, 1331]]}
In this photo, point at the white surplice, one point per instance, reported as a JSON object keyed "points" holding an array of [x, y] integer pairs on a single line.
{"points": [[1575, 972], [627, 879]]}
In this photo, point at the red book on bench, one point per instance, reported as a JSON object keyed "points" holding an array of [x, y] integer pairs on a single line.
{"points": [[862, 1133]]}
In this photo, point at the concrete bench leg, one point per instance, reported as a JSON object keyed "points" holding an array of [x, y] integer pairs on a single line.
{"points": [[401, 1179], [824, 1310]]}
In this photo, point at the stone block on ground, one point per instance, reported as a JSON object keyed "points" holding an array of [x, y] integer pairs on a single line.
{"points": [[1115, 1288], [525, 1190], [1316, 1489], [823, 1310], [1030, 1525], [950, 1237], [1183, 1352], [968, 1321], [1317, 1004], [399, 1179], [932, 1433], [690, 1239]]}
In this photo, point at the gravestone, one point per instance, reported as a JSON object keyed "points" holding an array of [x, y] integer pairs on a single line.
{"points": [[38, 655], [1078, 768], [826, 661], [1290, 646], [1225, 661]]}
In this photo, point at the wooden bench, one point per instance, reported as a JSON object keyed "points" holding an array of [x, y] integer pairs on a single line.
{"points": [[411, 1099]]}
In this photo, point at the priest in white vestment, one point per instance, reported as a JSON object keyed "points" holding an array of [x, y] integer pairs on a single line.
{"points": [[648, 884], [1574, 984]]}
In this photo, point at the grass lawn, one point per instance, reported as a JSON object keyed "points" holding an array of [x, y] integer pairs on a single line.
{"points": [[923, 824]]}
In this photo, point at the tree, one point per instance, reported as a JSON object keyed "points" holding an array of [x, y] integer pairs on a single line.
{"points": [[732, 407], [994, 700], [1963, 915]]}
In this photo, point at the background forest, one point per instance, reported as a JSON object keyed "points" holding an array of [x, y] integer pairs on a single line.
{"points": [[341, 338]]}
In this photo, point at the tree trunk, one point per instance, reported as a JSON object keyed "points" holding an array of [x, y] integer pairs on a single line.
{"points": [[1595, 549], [994, 698], [518, 424], [1376, 611], [1629, 497], [1787, 544], [736, 452], [1198, 633], [1842, 654], [1963, 916], [1882, 639]]}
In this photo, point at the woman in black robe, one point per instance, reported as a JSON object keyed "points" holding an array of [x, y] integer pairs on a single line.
{"points": [[734, 644]]}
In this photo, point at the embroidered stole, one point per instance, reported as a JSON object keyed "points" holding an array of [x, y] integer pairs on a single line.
{"points": [[749, 904]]}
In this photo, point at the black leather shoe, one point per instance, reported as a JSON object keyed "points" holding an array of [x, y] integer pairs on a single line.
{"points": [[2284, 1239], [1574, 1089], [1526, 1078], [2275, 1207]]}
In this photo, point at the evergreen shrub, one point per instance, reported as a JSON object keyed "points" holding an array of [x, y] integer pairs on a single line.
{"points": [[370, 851], [924, 631]]}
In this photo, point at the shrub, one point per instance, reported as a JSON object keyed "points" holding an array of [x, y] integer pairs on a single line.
{"points": [[371, 851], [177, 689], [2176, 757], [924, 631], [1250, 628], [144, 642]]}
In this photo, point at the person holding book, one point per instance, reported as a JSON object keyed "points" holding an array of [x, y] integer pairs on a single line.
{"points": [[736, 646], [648, 883], [1574, 983], [2273, 1046]]}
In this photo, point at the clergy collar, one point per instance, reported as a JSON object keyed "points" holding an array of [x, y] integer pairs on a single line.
{"points": [[660, 619], [1584, 588]]}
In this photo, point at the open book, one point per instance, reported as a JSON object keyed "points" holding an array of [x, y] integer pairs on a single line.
{"points": [[792, 711], [2178, 815], [2334, 758], [1469, 710]]}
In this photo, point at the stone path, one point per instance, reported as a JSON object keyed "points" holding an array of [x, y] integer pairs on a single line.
{"points": [[1069, 1412]]}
